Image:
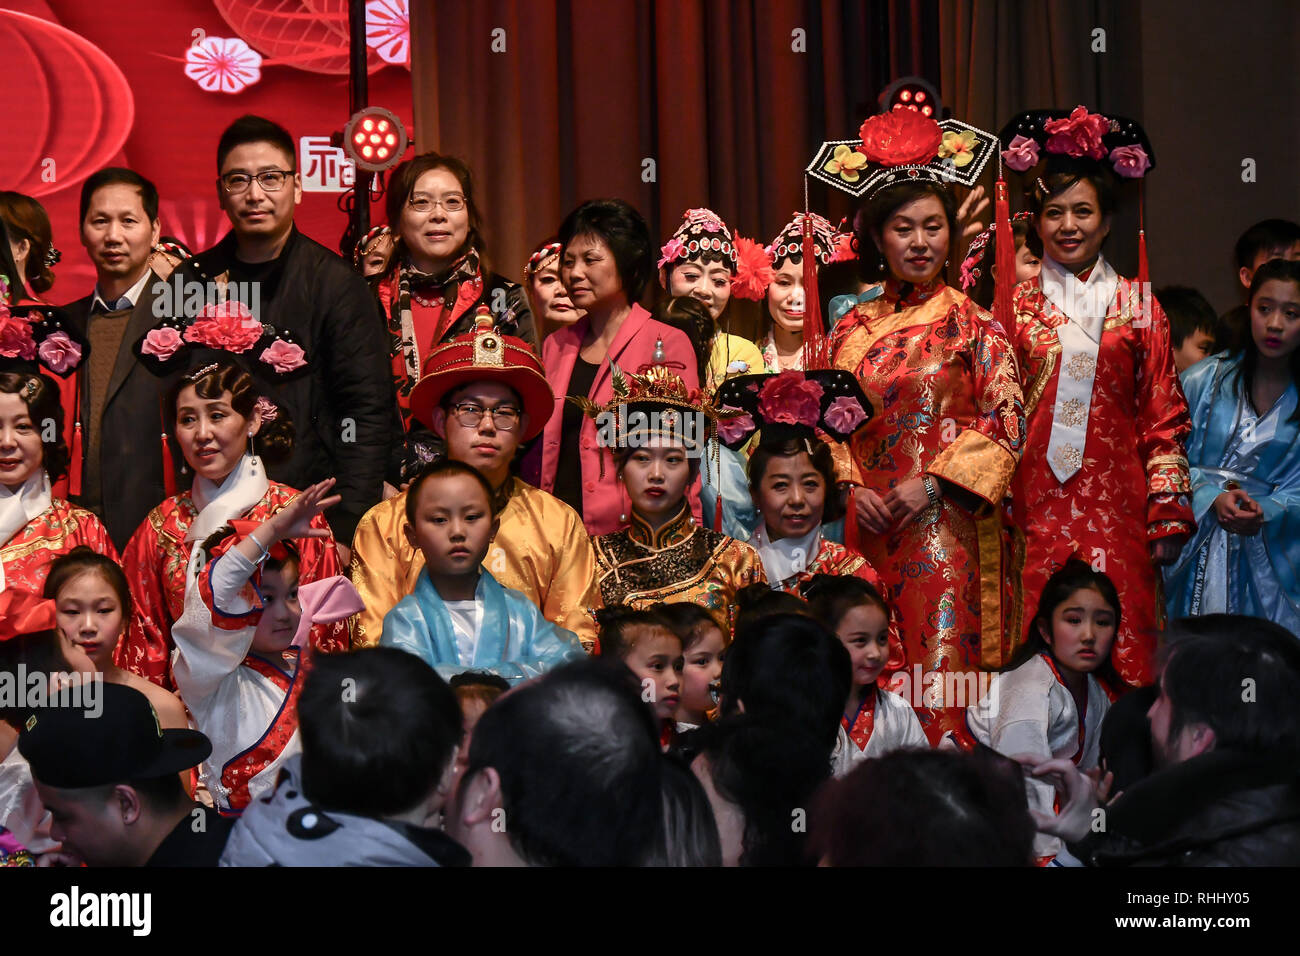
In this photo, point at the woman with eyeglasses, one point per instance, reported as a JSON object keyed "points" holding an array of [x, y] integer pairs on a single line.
{"points": [[437, 277]]}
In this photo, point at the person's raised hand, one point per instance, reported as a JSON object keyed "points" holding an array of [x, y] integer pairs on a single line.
{"points": [[294, 519]]}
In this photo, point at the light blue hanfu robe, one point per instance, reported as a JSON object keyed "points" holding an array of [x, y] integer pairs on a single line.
{"points": [[514, 640], [727, 475], [1238, 574]]}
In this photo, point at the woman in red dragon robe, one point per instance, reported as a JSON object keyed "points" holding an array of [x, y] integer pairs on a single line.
{"points": [[1104, 474], [219, 417], [925, 478]]}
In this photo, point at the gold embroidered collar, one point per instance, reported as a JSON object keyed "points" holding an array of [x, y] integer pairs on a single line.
{"points": [[680, 527]]}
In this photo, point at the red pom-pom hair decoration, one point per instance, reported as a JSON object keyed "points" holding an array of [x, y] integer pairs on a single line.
{"points": [[754, 271]]}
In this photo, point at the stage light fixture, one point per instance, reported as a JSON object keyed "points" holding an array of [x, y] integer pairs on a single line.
{"points": [[912, 93], [374, 139]]}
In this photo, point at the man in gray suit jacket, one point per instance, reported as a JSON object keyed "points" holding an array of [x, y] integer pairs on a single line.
{"points": [[120, 401]]}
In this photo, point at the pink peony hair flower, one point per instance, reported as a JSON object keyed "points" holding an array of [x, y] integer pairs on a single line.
{"points": [[734, 429], [791, 399], [673, 250], [59, 353], [284, 356], [225, 325], [162, 343], [1021, 154], [1078, 134], [267, 408], [16, 339], [1131, 162], [845, 414]]}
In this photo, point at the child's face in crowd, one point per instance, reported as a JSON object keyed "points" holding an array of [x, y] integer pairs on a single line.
{"points": [[656, 660], [375, 259], [453, 525], [21, 453], [1082, 631], [785, 298], [90, 618], [552, 299], [1072, 226], [791, 497], [1247, 273], [864, 630], [1198, 345], [280, 612], [656, 480], [1275, 318], [1028, 265], [487, 445], [710, 283], [702, 668], [212, 435]]}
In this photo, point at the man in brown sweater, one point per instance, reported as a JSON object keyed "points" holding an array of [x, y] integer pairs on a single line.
{"points": [[119, 399]]}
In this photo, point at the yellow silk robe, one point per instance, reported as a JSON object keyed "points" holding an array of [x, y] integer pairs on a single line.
{"points": [[541, 550], [941, 377]]}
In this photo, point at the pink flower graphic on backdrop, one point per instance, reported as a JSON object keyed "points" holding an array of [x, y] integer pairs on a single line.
{"points": [[388, 30], [223, 64]]}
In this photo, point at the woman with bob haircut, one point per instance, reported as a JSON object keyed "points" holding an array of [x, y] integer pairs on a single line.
{"points": [[606, 263]]}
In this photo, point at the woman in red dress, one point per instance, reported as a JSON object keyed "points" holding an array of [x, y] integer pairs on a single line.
{"points": [[35, 526], [1104, 475], [929, 471], [219, 421]]}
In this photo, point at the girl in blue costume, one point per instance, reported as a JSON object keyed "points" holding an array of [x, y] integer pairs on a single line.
{"points": [[1244, 454]]}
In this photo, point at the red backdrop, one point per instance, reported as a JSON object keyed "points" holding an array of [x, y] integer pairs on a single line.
{"points": [[87, 90]]}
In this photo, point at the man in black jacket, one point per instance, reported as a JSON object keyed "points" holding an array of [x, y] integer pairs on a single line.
{"points": [[119, 399], [1225, 733], [343, 410]]}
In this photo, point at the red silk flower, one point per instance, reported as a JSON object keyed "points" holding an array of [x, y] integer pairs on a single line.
{"points": [[228, 325], [1078, 134], [791, 399], [901, 137], [753, 270]]}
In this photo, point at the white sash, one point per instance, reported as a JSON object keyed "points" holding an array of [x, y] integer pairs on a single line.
{"points": [[784, 559], [17, 508], [218, 504], [1085, 304]]}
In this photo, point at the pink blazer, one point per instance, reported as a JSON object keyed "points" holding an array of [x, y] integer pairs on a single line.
{"points": [[604, 500]]}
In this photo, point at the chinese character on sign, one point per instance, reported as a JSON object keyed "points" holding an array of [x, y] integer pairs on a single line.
{"points": [[325, 168]]}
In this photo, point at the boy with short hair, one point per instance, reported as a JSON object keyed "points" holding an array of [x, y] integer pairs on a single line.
{"points": [[1193, 326], [379, 737], [459, 617], [1267, 239]]}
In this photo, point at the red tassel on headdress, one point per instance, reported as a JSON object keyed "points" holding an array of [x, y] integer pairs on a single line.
{"points": [[169, 465], [816, 352], [717, 514], [75, 467], [1004, 250], [1144, 271]]}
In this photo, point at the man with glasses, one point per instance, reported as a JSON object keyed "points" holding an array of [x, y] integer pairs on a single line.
{"points": [[485, 395], [344, 409]]}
